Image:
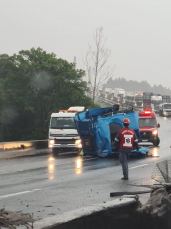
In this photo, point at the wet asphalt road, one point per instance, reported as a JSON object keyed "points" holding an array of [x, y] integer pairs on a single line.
{"points": [[46, 185]]}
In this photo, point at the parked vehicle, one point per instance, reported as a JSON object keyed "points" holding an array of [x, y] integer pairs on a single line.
{"points": [[63, 134], [138, 99], [165, 109], [156, 100], [119, 95], [147, 99], [166, 98], [148, 127], [130, 99]]}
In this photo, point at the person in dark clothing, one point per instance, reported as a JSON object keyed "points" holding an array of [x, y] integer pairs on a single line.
{"points": [[126, 139]]}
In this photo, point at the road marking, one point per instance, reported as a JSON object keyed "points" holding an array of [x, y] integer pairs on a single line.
{"points": [[12, 172], [138, 166], [19, 193]]}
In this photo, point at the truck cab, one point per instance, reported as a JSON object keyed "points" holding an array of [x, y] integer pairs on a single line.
{"points": [[156, 100], [138, 99], [148, 127], [165, 109], [146, 99], [166, 98], [119, 95], [63, 134]]}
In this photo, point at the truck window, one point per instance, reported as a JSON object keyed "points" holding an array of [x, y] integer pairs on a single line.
{"points": [[139, 99], [62, 123], [147, 122], [167, 106]]}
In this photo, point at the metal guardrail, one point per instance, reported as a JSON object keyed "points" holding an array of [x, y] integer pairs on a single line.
{"points": [[23, 145]]}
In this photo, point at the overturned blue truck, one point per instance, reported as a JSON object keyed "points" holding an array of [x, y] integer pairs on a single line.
{"points": [[98, 127]]}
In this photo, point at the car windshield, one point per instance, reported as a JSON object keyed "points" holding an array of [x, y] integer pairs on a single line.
{"points": [[167, 106], [62, 123], [147, 122]]}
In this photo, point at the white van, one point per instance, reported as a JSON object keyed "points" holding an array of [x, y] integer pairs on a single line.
{"points": [[63, 134], [165, 109]]}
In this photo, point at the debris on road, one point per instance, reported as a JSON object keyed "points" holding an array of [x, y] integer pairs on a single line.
{"points": [[112, 194], [10, 219], [159, 203]]}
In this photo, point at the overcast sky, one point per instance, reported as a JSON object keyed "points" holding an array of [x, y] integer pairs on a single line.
{"points": [[138, 32]]}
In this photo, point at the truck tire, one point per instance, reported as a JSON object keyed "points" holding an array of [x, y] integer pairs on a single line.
{"points": [[157, 142], [55, 151]]}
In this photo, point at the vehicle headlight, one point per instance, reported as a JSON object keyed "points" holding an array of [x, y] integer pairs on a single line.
{"points": [[79, 145], [52, 142], [78, 142], [154, 132]]}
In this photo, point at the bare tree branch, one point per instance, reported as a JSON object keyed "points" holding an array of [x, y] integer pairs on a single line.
{"points": [[95, 60]]}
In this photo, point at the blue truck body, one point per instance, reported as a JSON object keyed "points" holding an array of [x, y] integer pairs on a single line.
{"points": [[98, 127]]}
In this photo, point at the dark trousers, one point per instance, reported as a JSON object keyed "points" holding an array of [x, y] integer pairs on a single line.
{"points": [[123, 158]]}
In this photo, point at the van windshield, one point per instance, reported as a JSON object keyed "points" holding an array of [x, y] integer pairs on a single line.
{"points": [[62, 123], [147, 122]]}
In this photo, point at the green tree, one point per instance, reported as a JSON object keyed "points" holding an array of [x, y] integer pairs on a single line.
{"points": [[33, 84]]}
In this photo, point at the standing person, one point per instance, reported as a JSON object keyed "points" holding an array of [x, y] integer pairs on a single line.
{"points": [[126, 138]]}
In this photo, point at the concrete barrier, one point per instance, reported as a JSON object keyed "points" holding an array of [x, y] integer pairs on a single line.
{"points": [[98, 216], [23, 148]]}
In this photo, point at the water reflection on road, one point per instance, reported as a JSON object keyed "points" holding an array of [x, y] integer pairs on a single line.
{"points": [[51, 168], [79, 164], [155, 152]]}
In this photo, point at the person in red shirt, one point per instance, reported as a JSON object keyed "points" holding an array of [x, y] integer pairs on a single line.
{"points": [[126, 138]]}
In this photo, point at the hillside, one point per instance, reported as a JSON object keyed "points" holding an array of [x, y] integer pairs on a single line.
{"points": [[131, 85]]}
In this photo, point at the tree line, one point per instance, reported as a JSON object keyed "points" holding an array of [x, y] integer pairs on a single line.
{"points": [[132, 85], [33, 84]]}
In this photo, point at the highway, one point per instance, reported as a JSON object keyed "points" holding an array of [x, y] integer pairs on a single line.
{"points": [[45, 185]]}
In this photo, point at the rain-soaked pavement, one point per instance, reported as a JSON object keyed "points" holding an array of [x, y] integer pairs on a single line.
{"points": [[46, 185]]}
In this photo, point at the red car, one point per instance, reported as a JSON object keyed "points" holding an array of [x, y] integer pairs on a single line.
{"points": [[148, 127]]}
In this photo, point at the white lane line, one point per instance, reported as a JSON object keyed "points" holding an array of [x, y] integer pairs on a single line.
{"points": [[12, 172], [138, 166], [19, 193]]}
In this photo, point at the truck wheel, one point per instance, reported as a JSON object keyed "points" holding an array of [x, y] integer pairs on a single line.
{"points": [[156, 142], [55, 151]]}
